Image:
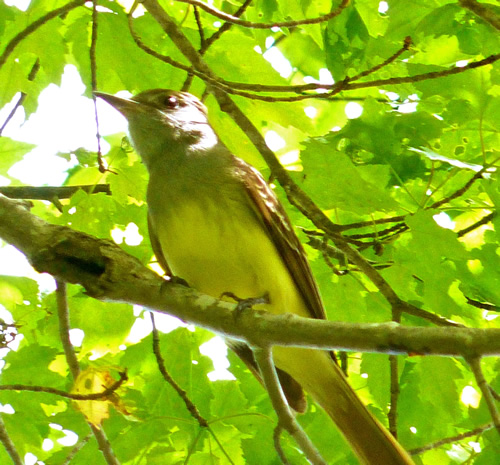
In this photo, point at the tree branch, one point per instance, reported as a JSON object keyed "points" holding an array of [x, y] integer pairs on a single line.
{"points": [[51, 192], [74, 367], [450, 440], [393, 409], [238, 88], [9, 445], [18, 38], [64, 327], [295, 194], [286, 419], [190, 406], [78, 446], [486, 12], [475, 364], [68, 395], [250, 24], [22, 97], [108, 273]]}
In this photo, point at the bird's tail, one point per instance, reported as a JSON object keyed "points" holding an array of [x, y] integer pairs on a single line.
{"points": [[326, 383]]}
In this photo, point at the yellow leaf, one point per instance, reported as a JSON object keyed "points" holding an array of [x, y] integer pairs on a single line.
{"points": [[94, 381]]}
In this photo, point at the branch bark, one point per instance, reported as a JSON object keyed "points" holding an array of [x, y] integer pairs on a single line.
{"points": [[287, 421], [108, 273], [486, 12]]}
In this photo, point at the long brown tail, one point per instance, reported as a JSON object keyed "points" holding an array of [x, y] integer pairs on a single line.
{"points": [[371, 442], [326, 383]]}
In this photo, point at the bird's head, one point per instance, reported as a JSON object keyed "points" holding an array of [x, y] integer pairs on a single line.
{"points": [[164, 120]]}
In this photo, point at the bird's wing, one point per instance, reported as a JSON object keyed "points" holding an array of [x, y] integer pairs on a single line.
{"points": [[155, 244], [282, 234]]}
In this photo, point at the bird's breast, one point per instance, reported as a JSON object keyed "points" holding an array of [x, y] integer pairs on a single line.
{"points": [[215, 240]]}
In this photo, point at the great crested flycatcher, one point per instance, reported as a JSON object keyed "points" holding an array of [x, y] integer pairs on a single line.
{"points": [[214, 222]]}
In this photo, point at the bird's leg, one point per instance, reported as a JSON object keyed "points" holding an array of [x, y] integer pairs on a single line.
{"points": [[177, 280], [244, 304]]}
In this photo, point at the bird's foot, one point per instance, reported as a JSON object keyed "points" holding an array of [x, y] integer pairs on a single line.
{"points": [[245, 304], [178, 280]]}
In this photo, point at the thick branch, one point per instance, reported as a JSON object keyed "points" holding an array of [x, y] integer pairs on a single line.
{"points": [[108, 273]]}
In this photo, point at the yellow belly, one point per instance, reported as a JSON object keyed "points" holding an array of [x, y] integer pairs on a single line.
{"points": [[221, 248]]}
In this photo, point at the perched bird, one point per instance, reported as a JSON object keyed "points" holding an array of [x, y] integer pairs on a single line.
{"points": [[215, 222]]}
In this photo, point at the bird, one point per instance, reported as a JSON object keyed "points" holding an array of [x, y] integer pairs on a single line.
{"points": [[215, 222]]}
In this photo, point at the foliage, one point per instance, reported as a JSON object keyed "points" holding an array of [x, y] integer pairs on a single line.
{"points": [[413, 155]]}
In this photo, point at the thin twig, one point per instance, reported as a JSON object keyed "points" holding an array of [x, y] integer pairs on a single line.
{"points": [[250, 24], [64, 327], [190, 406], [93, 46], [68, 395], [383, 286], [22, 97], [345, 85], [451, 439], [225, 27], [277, 444], [380, 235], [104, 445], [235, 88], [64, 323], [326, 251], [494, 393], [9, 445], [484, 220], [394, 376], [286, 418], [365, 224], [51, 192], [206, 43], [77, 448], [93, 74], [18, 38], [458, 192], [482, 305], [404, 48], [200, 26], [424, 76], [475, 364], [393, 410]]}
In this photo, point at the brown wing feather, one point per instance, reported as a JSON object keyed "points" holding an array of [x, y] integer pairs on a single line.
{"points": [[281, 231], [155, 244]]}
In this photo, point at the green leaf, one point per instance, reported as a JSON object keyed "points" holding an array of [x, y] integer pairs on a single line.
{"points": [[106, 325], [336, 182], [12, 151]]}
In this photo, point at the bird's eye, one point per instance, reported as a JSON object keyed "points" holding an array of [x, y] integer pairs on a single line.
{"points": [[171, 102]]}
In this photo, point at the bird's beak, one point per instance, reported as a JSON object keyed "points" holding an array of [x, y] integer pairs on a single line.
{"points": [[125, 106]]}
